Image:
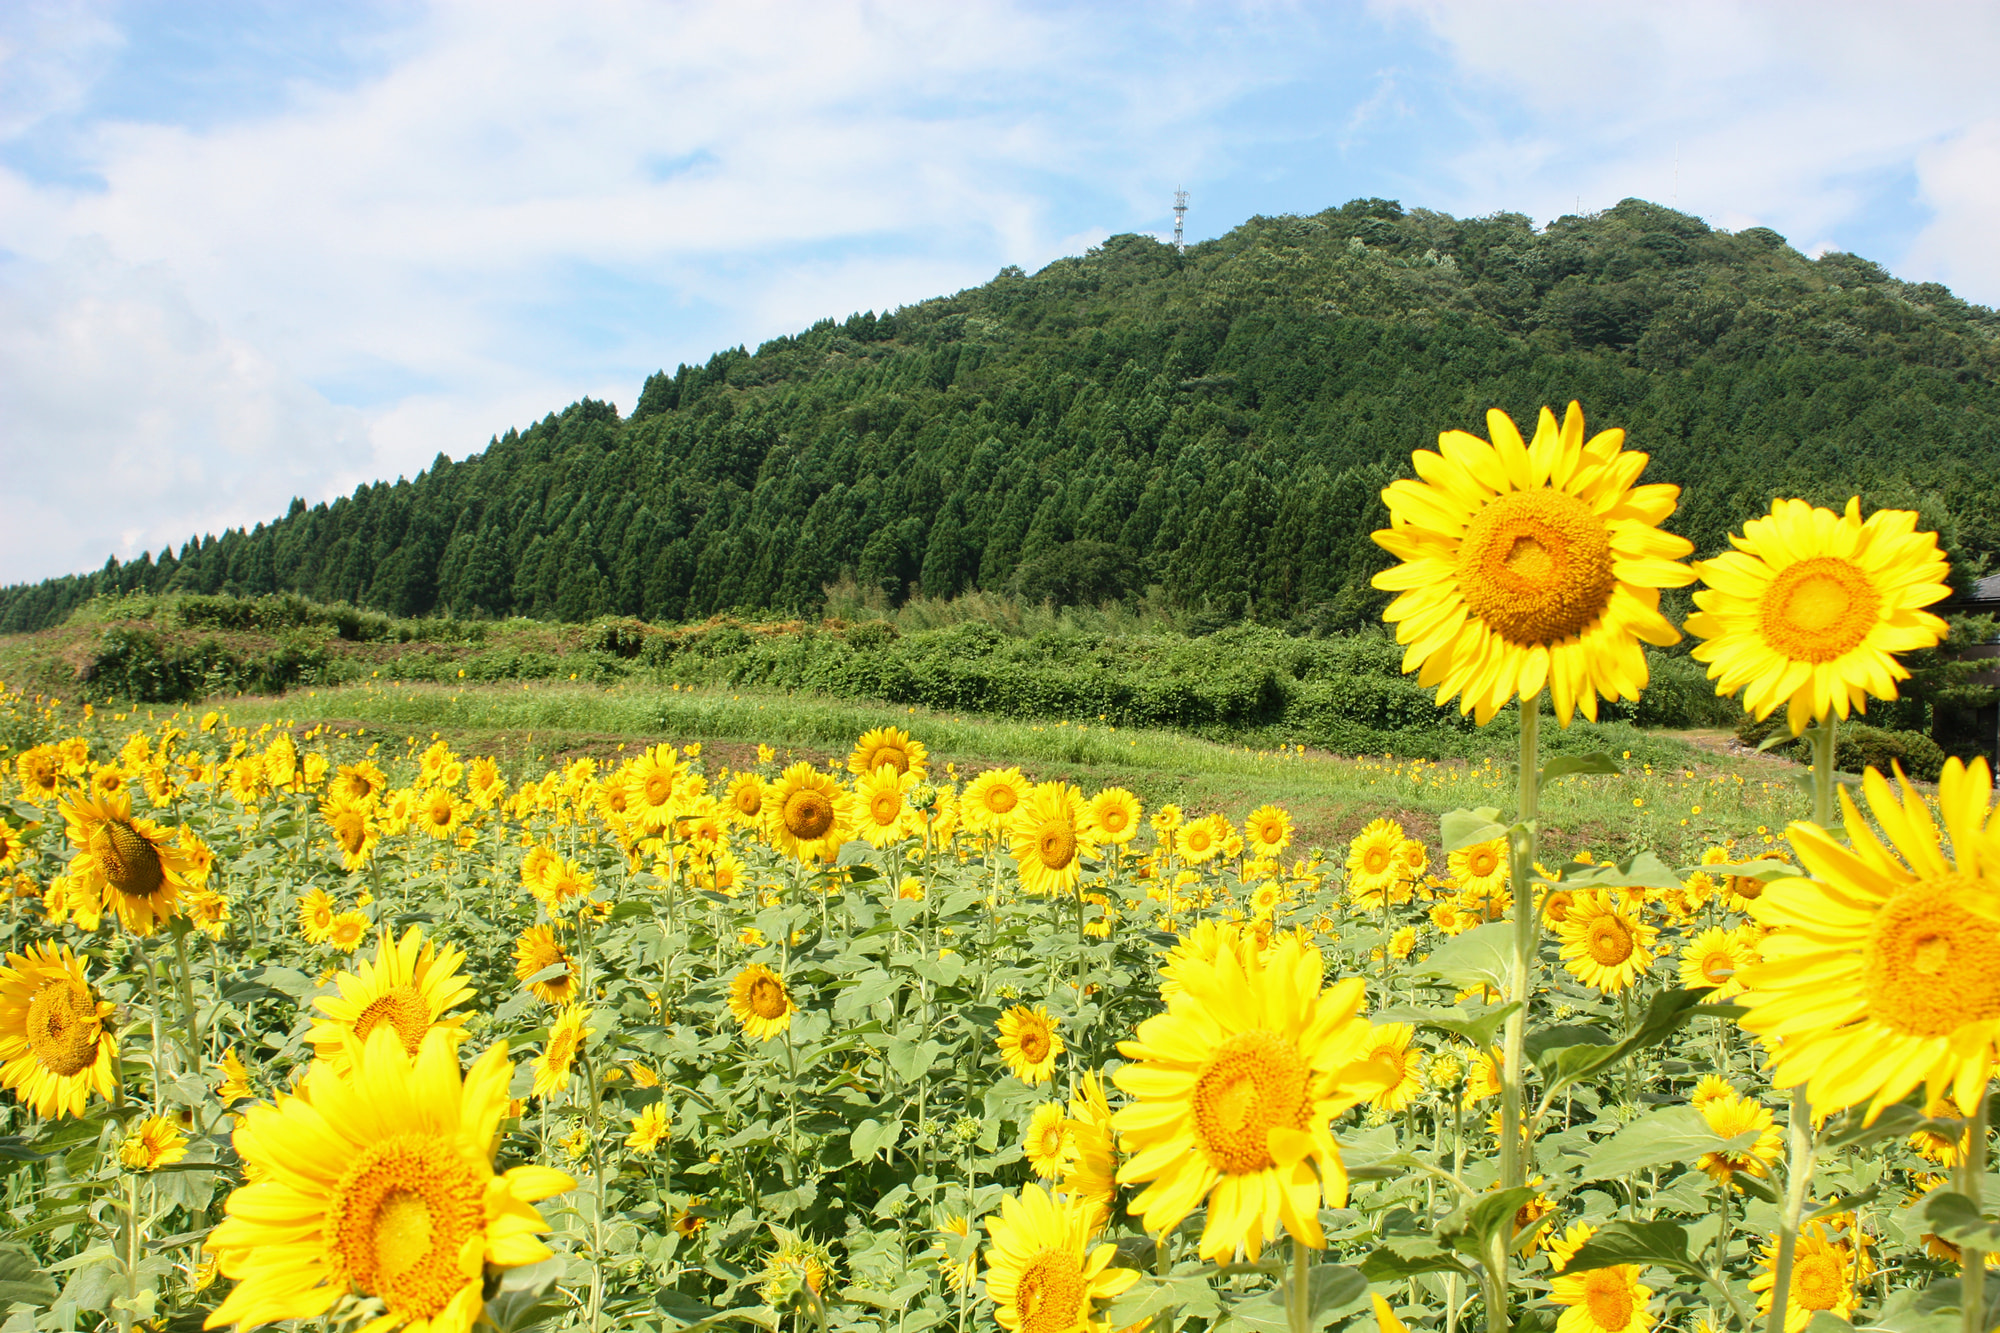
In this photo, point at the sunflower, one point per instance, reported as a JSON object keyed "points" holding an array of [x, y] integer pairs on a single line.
{"points": [[1810, 608], [1603, 945], [1527, 565], [1712, 960], [380, 1184], [1237, 1085], [410, 987], [1200, 841], [1092, 1171], [761, 1002], [559, 1053], [1710, 1088], [657, 779], [649, 1127], [745, 798], [1389, 1045], [1042, 1273], [1732, 1115], [798, 1266], [439, 813], [1048, 1144], [1205, 942], [316, 913], [1029, 1043], [1049, 839], [891, 747], [1563, 1248], [1267, 830], [536, 951], [885, 816], [1114, 816], [809, 813], [1372, 868], [1480, 868], [1823, 1278], [1885, 970], [55, 1046], [1602, 1300], [349, 929], [235, 1085], [992, 798], [40, 772], [353, 832], [127, 862], [155, 1142], [564, 881], [1944, 1149], [953, 1231]]}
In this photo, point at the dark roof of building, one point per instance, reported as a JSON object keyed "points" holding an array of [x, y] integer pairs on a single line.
{"points": [[1987, 589]]}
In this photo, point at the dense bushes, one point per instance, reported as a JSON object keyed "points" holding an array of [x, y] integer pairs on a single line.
{"points": [[1856, 746]]}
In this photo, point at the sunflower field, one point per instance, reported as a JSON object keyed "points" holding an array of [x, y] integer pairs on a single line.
{"points": [[334, 1030]]}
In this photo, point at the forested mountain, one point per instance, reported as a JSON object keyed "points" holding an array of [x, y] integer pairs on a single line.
{"points": [[1217, 423]]}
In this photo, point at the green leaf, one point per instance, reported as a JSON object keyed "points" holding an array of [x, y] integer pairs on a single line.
{"points": [[549, 973], [1849, 1130], [1459, 829], [1956, 1218], [1336, 1289], [1932, 1309], [1676, 1134], [1479, 1029], [1482, 955], [1763, 870], [873, 1136], [1394, 1262], [1661, 1243], [22, 1280], [1664, 1016], [1564, 765], [1151, 1295], [1644, 871], [632, 907]]}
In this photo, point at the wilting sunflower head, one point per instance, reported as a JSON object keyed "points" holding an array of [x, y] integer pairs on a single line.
{"points": [[1530, 565], [1810, 608]]}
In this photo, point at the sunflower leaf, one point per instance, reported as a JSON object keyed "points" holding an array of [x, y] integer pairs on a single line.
{"points": [[1479, 1029], [1406, 1258], [1676, 1134], [1483, 955], [1850, 1129], [1564, 765], [1644, 871], [1664, 1016], [21, 1280], [1957, 1219], [1459, 829], [1661, 1243]]}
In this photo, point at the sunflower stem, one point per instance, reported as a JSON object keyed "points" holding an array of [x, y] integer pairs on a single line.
{"points": [[1798, 1177], [159, 1037], [1527, 943], [187, 996], [1972, 1261], [1298, 1301], [1822, 769]]}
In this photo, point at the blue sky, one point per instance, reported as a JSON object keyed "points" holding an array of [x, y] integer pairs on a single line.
{"points": [[252, 250]]}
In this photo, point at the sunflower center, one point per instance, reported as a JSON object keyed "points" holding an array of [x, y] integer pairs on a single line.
{"points": [[62, 1028], [1818, 609], [1002, 799], [1930, 965], [402, 1009], [1535, 566], [1376, 860], [1114, 820], [398, 1222], [1052, 1140], [1050, 1295], [1609, 942], [748, 801], [1254, 1084], [1055, 845], [353, 833], [890, 757], [130, 860], [1482, 862], [885, 807], [1719, 966], [1743, 886], [1608, 1296], [659, 787], [1033, 1043], [808, 814], [1558, 903], [766, 997], [1817, 1281]]}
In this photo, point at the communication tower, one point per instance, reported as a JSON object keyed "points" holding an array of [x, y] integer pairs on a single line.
{"points": [[1180, 215]]}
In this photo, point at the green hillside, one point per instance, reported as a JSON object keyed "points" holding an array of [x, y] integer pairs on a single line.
{"points": [[1214, 425]]}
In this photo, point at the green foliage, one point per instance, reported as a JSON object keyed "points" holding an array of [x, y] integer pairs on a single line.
{"points": [[1856, 746], [1208, 430]]}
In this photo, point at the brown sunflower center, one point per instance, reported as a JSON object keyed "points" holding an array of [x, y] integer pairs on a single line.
{"points": [[890, 756], [1557, 905], [352, 831], [398, 1222], [1051, 1296], [356, 787], [748, 800], [808, 814], [130, 860], [1535, 566], [1254, 1084], [1930, 965], [1033, 1043], [1002, 799], [1743, 886], [402, 1009], [1481, 862], [659, 788], [1055, 845], [1818, 609], [1052, 1140], [63, 1027], [1607, 1294], [766, 997], [1818, 1282], [1113, 819], [1609, 942]]}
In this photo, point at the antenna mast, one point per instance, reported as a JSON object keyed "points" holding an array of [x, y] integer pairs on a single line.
{"points": [[1180, 215]]}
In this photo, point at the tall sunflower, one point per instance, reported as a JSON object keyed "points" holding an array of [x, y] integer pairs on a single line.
{"points": [[761, 1002], [1481, 868], [409, 986], [1048, 1143], [1114, 816], [1810, 607], [891, 746], [1042, 1272], [1372, 865], [535, 951], [1603, 945], [1267, 830], [1714, 960], [1884, 969], [991, 799], [1823, 1278], [1236, 1088], [1029, 1043], [745, 798], [380, 1184], [55, 1045], [884, 814], [1602, 1300], [810, 813], [353, 831], [128, 862], [1048, 836], [1530, 565]]}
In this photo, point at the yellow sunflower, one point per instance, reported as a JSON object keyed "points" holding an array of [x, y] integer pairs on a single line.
{"points": [[316, 913], [1048, 1144], [1713, 959], [1810, 608], [349, 929], [884, 816], [1732, 1115], [1602, 1300], [440, 814], [153, 1143], [1029, 1043], [953, 1231], [1480, 868], [55, 1047], [1114, 816], [1884, 969], [1092, 1172], [567, 1036], [1372, 866], [657, 781], [1268, 830], [761, 1002], [745, 798], [380, 1184], [1049, 839], [1563, 1248], [1530, 565], [353, 832], [1236, 1088], [889, 746], [127, 862], [992, 798], [649, 1127], [1205, 942], [1823, 1278], [1389, 1045], [410, 987], [359, 784], [1042, 1273], [1200, 841], [810, 813], [535, 951], [1603, 945]]}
